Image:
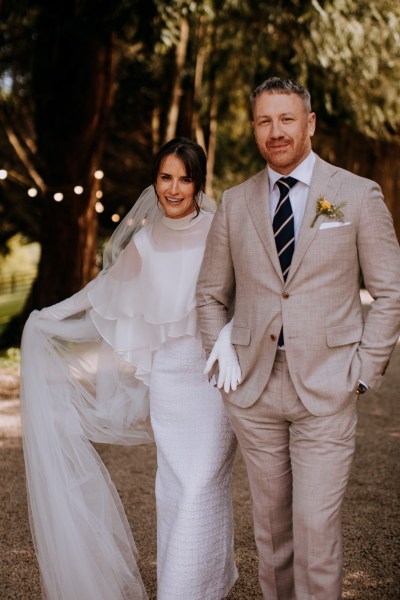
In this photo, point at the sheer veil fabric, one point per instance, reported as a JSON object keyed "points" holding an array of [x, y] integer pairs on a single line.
{"points": [[85, 368]]}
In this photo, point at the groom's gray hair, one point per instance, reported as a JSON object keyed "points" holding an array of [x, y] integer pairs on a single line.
{"points": [[278, 85]]}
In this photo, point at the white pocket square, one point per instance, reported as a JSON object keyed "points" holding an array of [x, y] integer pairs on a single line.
{"points": [[328, 225]]}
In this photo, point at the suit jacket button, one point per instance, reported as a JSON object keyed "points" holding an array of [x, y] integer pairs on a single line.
{"points": [[285, 295], [273, 337]]}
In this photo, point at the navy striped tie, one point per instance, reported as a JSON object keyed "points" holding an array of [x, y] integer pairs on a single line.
{"points": [[283, 226]]}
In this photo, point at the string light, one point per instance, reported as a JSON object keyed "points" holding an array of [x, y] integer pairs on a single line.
{"points": [[59, 196]]}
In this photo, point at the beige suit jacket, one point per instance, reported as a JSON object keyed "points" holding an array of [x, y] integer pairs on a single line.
{"points": [[329, 346]]}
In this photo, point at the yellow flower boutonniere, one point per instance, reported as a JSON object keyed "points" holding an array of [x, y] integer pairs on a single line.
{"points": [[324, 207]]}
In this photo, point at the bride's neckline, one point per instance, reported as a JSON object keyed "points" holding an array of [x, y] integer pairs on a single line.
{"points": [[184, 222]]}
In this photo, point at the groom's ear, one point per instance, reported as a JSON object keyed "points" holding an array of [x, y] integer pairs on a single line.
{"points": [[312, 121]]}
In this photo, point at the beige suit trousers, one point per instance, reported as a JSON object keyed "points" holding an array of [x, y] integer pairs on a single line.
{"points": [[298, 466]]}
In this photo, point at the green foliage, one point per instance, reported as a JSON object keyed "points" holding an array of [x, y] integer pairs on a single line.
{"points": [[346, 51], [354, 46]]}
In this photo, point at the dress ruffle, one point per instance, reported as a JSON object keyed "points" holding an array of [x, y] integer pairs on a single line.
{"points": [[128, 310]]}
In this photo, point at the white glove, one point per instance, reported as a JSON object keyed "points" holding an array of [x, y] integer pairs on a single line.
{"points": [[66, 308], [230, 374]]}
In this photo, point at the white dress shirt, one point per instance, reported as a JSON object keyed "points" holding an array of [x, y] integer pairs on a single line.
{"points": [[298, 193]]}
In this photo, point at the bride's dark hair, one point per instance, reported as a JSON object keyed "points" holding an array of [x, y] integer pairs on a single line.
{"points": [[193, 158]]}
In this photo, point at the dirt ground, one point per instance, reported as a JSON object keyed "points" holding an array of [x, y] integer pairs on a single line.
{"points": [[370, 513]]}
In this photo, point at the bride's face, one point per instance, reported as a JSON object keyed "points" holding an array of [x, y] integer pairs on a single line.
{"points": [[175, 189]]}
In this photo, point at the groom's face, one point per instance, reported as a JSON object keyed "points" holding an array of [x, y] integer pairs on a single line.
{"points": [[283, 129]]}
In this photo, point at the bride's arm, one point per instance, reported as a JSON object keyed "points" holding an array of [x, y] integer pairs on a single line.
{"points": [[124, 270], [68, 307]]}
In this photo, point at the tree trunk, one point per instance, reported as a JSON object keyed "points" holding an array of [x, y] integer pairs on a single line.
{"points": [[386, 171], [180, 57], [374, 159], [212, 142], [73, 78], [198, 83], [213, 118]]}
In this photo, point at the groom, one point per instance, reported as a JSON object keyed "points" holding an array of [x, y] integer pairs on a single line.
{"points": [[287, 249]]}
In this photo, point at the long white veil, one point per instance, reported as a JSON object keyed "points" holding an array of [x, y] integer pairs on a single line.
{"points": [[79, 387]]}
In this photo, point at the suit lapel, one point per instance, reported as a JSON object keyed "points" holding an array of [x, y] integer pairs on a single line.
{"points": [[257, 198], [323, 183]]}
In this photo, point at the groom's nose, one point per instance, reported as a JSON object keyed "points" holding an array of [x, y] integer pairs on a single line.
{"points": [[276, 129]]}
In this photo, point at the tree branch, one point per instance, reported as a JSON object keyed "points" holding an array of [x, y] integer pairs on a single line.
{"points": [[24, 158]]}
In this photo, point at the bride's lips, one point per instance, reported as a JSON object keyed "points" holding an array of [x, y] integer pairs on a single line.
{"points": [[173, 200]]}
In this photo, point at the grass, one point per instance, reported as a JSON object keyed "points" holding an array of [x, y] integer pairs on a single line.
{"points": [[17, 271], [9, 359], [10, 305]]}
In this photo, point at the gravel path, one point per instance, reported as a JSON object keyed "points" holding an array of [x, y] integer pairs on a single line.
{"points": [[370, 515]]}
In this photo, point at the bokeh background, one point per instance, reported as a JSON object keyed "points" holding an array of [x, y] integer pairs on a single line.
{"points": [[90, 89]]}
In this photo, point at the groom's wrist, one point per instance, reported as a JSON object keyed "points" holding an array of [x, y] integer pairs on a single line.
{"points": [[361, 388]]}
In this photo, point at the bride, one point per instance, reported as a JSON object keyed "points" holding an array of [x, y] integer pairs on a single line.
{"points": [[121, 362]]}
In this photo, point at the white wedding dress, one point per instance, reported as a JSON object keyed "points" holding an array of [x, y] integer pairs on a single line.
{"points": [[87, 378], [195, 450]]}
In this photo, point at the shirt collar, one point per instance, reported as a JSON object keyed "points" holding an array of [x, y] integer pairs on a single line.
{"points": [[303, 172]]}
